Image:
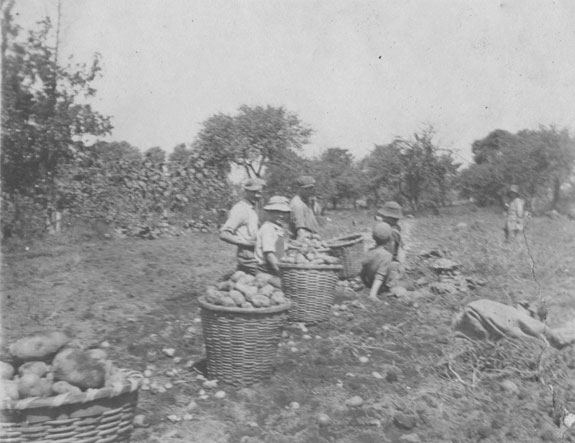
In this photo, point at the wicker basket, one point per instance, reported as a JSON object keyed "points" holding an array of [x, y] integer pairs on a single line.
{"points": [[241, 344], [311, 289], [96, 416], [350, 250]]}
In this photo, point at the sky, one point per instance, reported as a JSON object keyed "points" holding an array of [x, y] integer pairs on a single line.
{"points": [[359, 73]]}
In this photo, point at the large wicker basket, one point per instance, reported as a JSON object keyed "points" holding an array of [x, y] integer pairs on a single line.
{"points": [[350, 250], [311, 289], [96, 416], [241, 344]]}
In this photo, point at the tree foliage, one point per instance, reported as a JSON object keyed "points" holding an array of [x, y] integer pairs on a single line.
{"points": [[255, 138], [539, 161]]}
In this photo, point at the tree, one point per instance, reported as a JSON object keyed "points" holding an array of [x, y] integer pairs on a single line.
{"points": [[113, 152], [156, 154], [255, 138], [540, 162], [337, 176], [45, 114], [382, 169]]}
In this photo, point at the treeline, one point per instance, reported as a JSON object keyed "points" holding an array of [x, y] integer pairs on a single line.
{"points": [[49, 166]]}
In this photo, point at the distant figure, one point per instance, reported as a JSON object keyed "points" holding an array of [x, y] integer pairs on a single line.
{"points": [[303, 222], [272, 238], [241, 227], [515, 215]]}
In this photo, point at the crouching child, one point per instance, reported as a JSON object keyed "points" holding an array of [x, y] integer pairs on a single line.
{"points": [[378, 270], [272, 237]]}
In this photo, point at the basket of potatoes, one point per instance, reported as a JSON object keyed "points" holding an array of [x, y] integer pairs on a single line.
{"points": [[53, 391], [350, 250], [309, 276], [242, 319]]}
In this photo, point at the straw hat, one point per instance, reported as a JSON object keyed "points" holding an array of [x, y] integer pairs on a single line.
{"points": [[254, 184], [278, 203], [305, 181], [381, 232], [391, 209]]}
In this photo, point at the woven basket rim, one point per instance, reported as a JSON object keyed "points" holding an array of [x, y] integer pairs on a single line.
{"points": [[130, 384], [346, 240], [309, 266], [271, 310]]}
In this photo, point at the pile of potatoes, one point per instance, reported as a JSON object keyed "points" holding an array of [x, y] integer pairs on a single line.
{"points": [[47, 364], [247, 291], [309, 251]]}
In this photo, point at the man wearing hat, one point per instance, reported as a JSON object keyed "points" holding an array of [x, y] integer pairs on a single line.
{"points": [[515, 216], [241, 227], [391, 213], [271, 240], [303, 222]]}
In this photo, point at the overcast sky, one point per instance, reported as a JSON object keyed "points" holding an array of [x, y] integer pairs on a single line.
{"points": [[358, 72]]}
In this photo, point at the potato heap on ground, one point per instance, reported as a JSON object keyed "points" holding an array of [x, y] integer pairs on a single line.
{"points": [[309, 251], [246, 291], [46, 364]]}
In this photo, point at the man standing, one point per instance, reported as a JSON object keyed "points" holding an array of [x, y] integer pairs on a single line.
{"points": [[241, 227], [303, 222], [515, 214]]}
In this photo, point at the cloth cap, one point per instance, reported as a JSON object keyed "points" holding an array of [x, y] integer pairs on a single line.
{"points": [[381, 232], [277, 203], [254, 184], [390, 209], [514, 188], [305, 181]]}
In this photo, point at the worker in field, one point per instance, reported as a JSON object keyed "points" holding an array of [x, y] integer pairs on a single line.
{"points": [[272, 237], [391, 213], [515, 214], [303, 222], [241, 226], [378, 270]]}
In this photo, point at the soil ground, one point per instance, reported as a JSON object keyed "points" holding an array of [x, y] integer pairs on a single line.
{"points": [[415, 379]]}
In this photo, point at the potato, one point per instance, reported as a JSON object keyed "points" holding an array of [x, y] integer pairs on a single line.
{"points": [[288, 260], [79, 369], [267, 290], [247, 279], [6, 370], [261, 301], [39, 346], [300, 260], [98, 354], [9, 390], [225, 285], [36, 367], [262, 279], [30, 385], [278, 298], [228, 301], [276, 282], [237, 275], [247, 305], [63, 387], [237, 297], [214, 297]]}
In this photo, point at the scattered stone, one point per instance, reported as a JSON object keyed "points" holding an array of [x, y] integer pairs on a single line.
{"points": [[177, 360], [444, 265], [285, 334], [410, 438], [168, 385], [307, 337], [147, 373], [248, 393], [210, 384], [509, 387], [174, 418], [187, 417], [430, 253], [363, 359], [354, 401], [105, 345], [399, 292], [169, 351], [192, 405], [376, 375], [422, 281], [440, 288], [404, 421], [461, 226], [197, 320], [189, 364], [294, 405], [220, 395], [323, 419], [294, 349], [141, 421]]}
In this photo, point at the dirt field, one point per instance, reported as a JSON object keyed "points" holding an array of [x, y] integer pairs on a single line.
{"points": [[375, 372]]}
